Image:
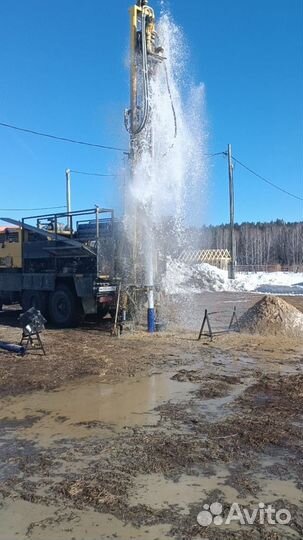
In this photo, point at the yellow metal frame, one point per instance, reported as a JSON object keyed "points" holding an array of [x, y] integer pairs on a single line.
{"points": [[11, 252], [135, 11]]}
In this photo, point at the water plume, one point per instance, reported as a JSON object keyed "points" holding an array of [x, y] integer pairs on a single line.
{"points": [[169, 173]]}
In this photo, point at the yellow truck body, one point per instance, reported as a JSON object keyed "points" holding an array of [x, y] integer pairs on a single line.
{"points": [[10, 247]]}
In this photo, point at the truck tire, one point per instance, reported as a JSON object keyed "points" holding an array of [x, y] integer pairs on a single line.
{"points": [[102, 311], [37, 299], [64, 307]]}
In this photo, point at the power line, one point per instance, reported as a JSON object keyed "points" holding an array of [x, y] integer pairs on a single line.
{"points": [[63, 139], [216, 154], [266, 179], [56, 207], [119, 175], [94, 174], [30, 209], [84, 143]]}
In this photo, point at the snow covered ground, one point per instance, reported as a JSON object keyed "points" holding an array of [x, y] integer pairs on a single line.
{"points": [[183, 278]]}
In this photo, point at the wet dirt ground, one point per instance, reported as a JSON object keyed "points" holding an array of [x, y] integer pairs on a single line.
{"points": [[128, 438]]}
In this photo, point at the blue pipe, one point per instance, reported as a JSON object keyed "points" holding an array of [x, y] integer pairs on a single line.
{"points": [[11, 347], [151, 320]]}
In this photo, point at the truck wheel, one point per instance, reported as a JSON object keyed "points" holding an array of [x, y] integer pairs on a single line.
{"points": [[102, 311], [64, 307], [36, 299]]}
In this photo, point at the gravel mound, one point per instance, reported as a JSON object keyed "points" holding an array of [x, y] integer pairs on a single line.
{"points": [[272, 316]]}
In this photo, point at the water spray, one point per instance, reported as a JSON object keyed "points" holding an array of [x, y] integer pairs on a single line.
{"points": [[166, 148]]}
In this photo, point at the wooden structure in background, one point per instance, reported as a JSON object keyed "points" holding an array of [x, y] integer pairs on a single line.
{"points": [[216, 257]]}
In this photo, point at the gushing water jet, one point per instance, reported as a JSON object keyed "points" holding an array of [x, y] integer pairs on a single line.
{"points": [[166, 147]]}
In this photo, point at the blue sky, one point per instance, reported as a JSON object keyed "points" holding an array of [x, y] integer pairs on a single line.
{"points": [[63, 71]]}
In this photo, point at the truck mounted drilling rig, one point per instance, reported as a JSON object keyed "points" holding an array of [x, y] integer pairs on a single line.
{"points": [[145, 56], [69, 271], [65, 271]]}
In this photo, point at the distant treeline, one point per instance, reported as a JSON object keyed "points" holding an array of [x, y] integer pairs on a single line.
{"points": [[276, 242]]}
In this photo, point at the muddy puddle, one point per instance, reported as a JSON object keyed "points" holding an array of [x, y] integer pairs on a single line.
{"points": [[22, 520], [159, 492], [137, 459], [90, 406], [220, 407], [87, 408]]}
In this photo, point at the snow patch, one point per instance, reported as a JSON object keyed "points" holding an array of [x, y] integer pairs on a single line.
{"points": [[183, 278]]}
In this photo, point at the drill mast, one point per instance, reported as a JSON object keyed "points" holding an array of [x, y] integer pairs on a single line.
{"points": [[145, 55]]}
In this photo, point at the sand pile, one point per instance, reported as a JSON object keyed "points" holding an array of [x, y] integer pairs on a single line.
{"points": [[272, 316]]}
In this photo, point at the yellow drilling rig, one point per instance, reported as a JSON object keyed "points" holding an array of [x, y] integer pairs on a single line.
{"points": [[146, 53]]}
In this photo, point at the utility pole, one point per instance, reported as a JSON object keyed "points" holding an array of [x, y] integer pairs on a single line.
{"points": [[98, 239], [231, 270], [68, 198]]}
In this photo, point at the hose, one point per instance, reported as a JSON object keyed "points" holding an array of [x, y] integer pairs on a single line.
{"points": [[173, 110], [145, 80], [171, 101], [146, 97]]}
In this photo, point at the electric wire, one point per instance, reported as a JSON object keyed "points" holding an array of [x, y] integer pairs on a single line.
{"points": [[224, 153], [216, 154], [30, 209], [272, 184], [95, 174], [63, 139]]}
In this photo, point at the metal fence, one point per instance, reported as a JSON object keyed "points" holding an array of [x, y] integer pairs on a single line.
{"points": [[252, 268]]}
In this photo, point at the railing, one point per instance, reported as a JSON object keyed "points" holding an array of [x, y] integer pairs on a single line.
{"points": [[253, 268]]}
